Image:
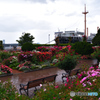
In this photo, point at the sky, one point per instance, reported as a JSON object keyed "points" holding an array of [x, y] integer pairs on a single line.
{"points": [[43, 17]]}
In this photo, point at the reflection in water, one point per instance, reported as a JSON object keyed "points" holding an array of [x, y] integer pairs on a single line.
{"points": [[15, 81]]}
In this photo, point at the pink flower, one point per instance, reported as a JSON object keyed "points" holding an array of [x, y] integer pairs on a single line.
{"points": [[56, 86], [44, 89], [65, 84], [40, 85], [89, 83], [54, 97], [91, 67], [94, 74], [79, 76], [96, 66], [94, 80], [88, 88], [71, 99], [98, 70], [77, 84], [83, 79], [84, 85], [67, 79]]}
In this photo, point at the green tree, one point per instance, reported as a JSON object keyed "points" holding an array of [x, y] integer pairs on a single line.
{"points": [[27, 37], [96, 39], [57, 41], [1, 46]]}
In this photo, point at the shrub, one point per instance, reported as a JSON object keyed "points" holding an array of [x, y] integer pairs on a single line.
{"points": [[96, 54], [4, 54], [36, 45], [7, 61], [27, 47], [34, 59], [14, 65], [84, 38], [25, 56], [96, 39], [10, 60], [83, 48], [43, 49], [67, 63], [42, 56], [24, 66], [9, 92]]}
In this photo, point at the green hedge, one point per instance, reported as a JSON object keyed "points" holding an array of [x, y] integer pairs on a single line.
{"points": [[27, 47], [83, 48]]}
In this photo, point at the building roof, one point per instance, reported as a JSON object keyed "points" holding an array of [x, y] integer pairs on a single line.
{"points": [[7, 45]]}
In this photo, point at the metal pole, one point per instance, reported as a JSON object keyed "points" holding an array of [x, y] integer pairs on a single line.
{"points": [[85, 19]]}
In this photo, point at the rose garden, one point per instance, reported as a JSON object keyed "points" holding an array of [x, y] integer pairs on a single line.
{"points": [[63, 57], [84, 84]]}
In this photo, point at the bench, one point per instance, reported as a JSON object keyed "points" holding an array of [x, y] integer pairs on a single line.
{"points": [[37, 82], [68, 74]]}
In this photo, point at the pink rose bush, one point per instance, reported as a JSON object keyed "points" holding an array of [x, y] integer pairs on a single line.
{"points": [[87, 81], [5, 69], [41, 56], [24, 66]]}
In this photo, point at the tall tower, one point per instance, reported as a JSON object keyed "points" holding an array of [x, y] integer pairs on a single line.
{"points": [[85, 19]]}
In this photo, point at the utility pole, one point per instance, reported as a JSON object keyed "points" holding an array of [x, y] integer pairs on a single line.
{"points": [[85, 19]]}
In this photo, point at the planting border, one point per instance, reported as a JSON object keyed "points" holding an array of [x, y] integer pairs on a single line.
{"points": [[2, 75], [38, 69]]}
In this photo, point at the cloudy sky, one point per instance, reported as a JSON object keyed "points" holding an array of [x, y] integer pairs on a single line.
{"points": [[44, 17]]}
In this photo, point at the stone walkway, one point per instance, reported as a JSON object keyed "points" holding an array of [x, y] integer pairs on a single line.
{"points": [[21, 77]]}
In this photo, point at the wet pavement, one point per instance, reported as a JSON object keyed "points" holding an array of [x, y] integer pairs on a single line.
{"points": [[19, 77]]}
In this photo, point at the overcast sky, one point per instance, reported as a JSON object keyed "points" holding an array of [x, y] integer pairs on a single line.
{"points": [[44, 17]]}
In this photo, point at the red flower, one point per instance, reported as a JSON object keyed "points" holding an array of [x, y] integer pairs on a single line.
{"points": [[76, 53]]}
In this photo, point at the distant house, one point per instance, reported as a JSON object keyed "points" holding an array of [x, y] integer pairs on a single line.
{"points": [[11, 47]]}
